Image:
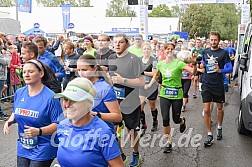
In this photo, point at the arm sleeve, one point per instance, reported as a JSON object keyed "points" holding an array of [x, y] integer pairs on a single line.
{"points": [[138, 68], [4, 60], [56, 112], [60, 70], [55, 46], [227, 68], [110, 96], [109, 146]]}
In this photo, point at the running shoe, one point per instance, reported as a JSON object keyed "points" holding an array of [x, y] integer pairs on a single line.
{"points": [[136, 158], [168, 148], [154, 126], [4, 117], [209, 141], [219, 134], [124, 158], [194, 95], [182, 126], [183, 109]]}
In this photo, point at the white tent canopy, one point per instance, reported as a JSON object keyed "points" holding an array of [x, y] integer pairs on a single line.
{"points": [[86, 20]]}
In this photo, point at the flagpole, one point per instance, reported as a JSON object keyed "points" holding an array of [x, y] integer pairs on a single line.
{"points": [[16, 9]]}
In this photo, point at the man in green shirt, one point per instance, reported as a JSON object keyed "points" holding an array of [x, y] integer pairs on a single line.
{"points": [[136, 47], [197, 50]]}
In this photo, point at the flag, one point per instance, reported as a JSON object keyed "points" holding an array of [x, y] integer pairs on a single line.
{"points": [[66, 15], [25, 6]]}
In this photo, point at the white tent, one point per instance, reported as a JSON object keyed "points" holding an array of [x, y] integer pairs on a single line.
{"points": [[10, 26]]}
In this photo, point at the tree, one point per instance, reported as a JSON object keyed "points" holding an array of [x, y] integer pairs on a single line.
{"points": [[7, 3], [160, 11], [119, 8], [204, 18], [58, 3], [178, 10]]}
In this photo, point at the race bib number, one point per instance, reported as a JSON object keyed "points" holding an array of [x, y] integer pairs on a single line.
{"points": [[120, 93], [147, 79], [210, 68], [185, 75], [171, 92], [28, 143]]}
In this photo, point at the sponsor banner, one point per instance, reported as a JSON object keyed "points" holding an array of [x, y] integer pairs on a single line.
{"points": [[25, 6], [66, 15]]}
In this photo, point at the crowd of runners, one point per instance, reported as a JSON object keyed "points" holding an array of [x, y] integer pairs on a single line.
{"points": [[103, 84]]}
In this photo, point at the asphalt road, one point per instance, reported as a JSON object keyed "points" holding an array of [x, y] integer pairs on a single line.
{"points": [[234, 150]]}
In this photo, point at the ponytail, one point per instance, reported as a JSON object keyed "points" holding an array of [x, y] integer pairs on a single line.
{"points": [[92, 63], [102, 74]]}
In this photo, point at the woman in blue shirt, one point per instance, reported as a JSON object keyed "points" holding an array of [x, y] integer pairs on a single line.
{"points": [[106, 105], [36, 123], [85, 140]]}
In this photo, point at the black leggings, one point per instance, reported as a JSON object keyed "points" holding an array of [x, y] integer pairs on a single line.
{"points": [[165, 105], [25, 162], [186, 84]]}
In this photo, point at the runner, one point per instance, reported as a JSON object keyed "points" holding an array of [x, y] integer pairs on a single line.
{"points": [[171, 93], [127, 78], [97, 145], [136, 47], [29, 51], [103, 53], [197, 50], [216, 63], [149, 65], [35, 122], [106, 105], [186, 78], [70, 62], [48, 58], [88, 44]]}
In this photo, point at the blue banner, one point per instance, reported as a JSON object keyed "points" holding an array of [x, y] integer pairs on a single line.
{"points": [[25, 6], [66, 15]]}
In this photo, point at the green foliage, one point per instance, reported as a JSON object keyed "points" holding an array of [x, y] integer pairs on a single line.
{"points": [[7, 3], [160, 11], [58, 3], [119, 8], [178, 10], [204, 18]]}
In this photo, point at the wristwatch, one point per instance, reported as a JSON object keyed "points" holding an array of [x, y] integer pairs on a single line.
{"points": [[98, 114], [40, 131], [125, 80]]}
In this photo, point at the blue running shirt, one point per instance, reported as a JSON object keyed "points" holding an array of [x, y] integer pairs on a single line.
{"points": [[105, 93], [88, 146], [35, 111]]}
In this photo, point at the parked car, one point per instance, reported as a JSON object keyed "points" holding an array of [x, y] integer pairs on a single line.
{"points": [[245, 83]]}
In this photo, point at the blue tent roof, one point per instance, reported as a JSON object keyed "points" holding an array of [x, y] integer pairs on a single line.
{"points": [[34, 31]]}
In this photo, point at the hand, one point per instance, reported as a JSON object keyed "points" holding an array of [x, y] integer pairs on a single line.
{"points": [[93, 113], [66, 68], [202, 70], [31, 131], [147, 86], [104, 68], [194, 57], [217, 68], [6, 128], [117, 79]]}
